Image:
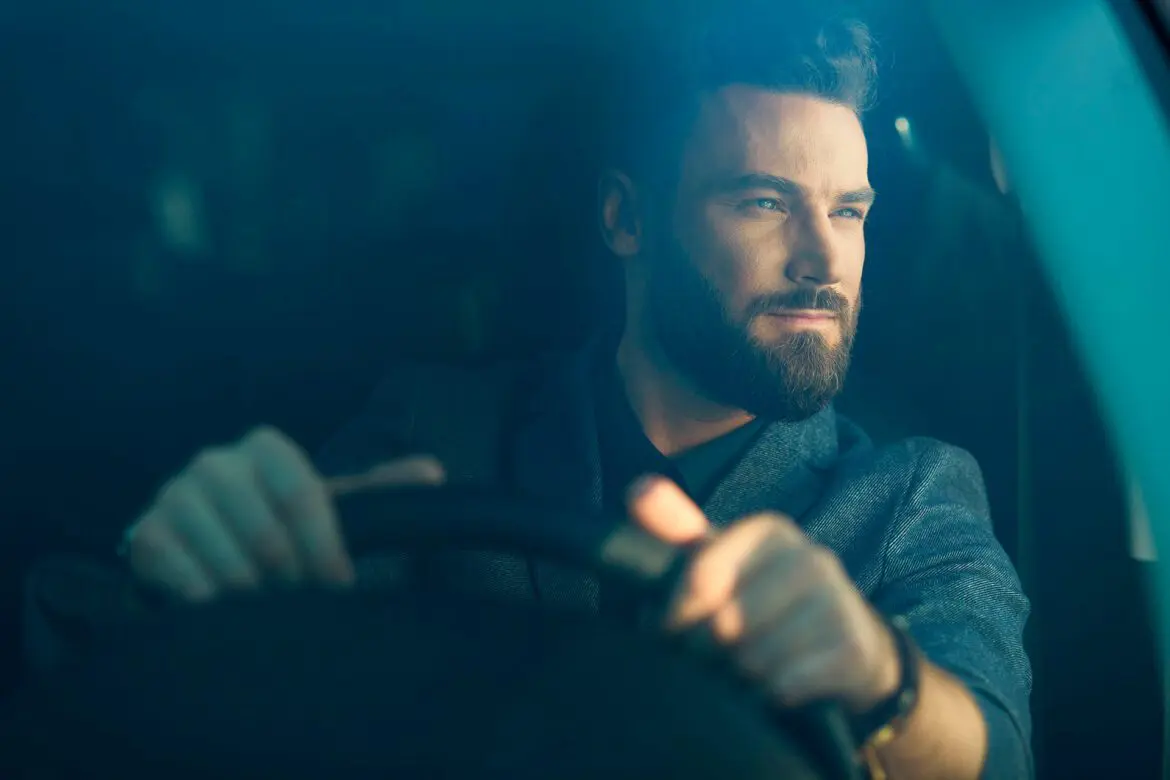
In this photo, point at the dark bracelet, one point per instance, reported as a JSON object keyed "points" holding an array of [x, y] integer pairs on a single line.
{"points": [[882, 723]]}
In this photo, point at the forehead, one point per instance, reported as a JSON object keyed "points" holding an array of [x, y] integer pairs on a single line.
{"points": [[811, 141]]}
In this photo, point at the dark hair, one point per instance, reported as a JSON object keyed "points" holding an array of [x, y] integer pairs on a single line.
{"points": [[772, 44]]}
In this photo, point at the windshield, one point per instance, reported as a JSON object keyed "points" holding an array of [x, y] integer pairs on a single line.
{"points": [[219, 222]]}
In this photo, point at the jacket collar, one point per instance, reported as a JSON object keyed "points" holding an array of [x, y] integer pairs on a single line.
{"points": [[558, 445]]}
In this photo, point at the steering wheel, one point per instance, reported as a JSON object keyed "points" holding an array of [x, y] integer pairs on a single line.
{"points": [[402, 682]]}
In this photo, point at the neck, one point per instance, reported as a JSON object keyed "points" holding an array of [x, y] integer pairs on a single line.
{"points": [[674, 415]]}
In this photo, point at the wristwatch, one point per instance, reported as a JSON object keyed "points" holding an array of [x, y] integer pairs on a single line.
{"points": [[884, 722]]}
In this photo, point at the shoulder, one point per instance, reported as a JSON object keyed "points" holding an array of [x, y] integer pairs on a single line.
{"points": [[934, 513], [920, 468], [904, 496]]}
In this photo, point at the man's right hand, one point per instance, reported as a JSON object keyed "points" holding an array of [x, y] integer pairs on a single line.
{"points": [[251, 514]]}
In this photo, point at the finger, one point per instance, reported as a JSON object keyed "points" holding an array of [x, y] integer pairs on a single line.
{"points": [[413, 471], [229, 480], [661, 508], [205, 536], [768, 588], [718, 569], [301, 503], [802, 633], [821, 675], [157, 556]]}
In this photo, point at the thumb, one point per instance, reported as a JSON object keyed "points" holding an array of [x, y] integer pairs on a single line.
{"points": [[662, 509], [413, 471]]}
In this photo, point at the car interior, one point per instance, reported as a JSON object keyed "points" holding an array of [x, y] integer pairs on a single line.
{"points": [[227, 214]]}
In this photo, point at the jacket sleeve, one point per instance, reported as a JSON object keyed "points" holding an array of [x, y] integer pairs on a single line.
{"points": [[948, 576]]}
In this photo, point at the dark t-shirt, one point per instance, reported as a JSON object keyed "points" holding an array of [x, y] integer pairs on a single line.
{"points": [[627, 454], [702, 468]]}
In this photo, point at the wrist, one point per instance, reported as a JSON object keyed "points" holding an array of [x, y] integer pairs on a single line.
{"points": [[887, 675], [887, 678], [896, 691]]}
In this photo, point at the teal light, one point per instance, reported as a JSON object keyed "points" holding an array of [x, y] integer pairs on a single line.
{"points": [[1088, 150]]}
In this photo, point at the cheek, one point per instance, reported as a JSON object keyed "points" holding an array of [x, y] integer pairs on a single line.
{"points": [[742, 259]]}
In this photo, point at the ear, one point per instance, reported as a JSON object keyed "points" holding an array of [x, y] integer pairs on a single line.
{"points": [[621, 213]]}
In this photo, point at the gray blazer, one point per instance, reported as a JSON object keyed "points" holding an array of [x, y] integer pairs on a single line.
{"points": [[909, 521]]}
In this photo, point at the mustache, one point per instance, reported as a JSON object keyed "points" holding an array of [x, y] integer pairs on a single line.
{"points": [[804, 299]]}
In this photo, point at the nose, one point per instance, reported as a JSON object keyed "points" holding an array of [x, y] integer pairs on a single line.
{"points": [[812, 259]]}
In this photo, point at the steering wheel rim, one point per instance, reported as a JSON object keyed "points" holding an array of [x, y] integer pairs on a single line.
{"points": [[446, 519], [436, 519], [613, 549]]}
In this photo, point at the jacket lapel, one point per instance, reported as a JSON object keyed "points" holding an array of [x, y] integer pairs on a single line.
{"points": [[555, 455], [786, 470]]}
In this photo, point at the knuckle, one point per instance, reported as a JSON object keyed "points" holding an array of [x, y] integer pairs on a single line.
{"points": [[781, 529], [261, 433], [284, 470], [754, 527], [181, 509], [177, 497], [214, 464], [768, 522], [266, 438], [148, 539], [765, 530], [772, 522]]}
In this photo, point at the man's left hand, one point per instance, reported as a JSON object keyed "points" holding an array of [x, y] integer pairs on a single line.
{"points": [[784, 607]]}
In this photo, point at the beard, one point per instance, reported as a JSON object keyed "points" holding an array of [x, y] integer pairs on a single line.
{"points": [[789, 379]]}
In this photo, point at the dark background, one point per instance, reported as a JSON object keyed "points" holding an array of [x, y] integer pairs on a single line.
{"points": [[222, 214]]}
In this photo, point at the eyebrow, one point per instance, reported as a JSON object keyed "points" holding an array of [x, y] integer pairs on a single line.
{"points": [[766, 181]]}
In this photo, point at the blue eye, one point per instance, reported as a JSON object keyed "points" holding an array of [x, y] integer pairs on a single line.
{"points": [[763, 204], [849, 213]]}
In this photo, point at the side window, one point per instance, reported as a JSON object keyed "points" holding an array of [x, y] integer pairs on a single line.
{"points": [[1162, 8]]}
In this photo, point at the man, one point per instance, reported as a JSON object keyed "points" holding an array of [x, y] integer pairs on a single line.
{"points": [[741, 232]]}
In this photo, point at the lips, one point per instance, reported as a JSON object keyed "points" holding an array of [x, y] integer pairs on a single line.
{"points": [[803, 315]]}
